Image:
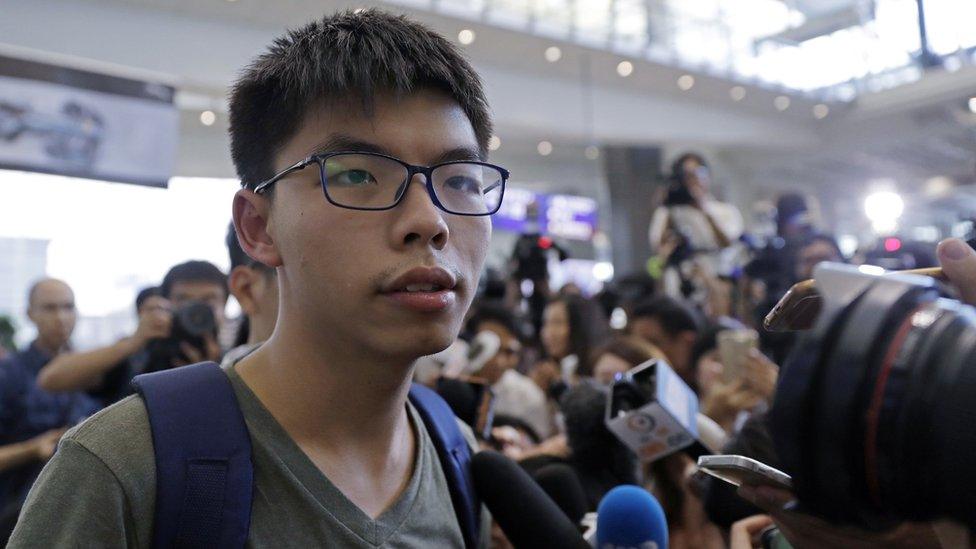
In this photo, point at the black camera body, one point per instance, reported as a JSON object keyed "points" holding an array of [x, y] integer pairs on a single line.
{"points": [[874, 411], [192, 323]]}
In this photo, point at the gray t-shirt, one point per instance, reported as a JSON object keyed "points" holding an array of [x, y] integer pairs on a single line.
{"points": [[99, 490]]}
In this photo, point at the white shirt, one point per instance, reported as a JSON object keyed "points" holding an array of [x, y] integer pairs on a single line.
{"points": [[518, 396], [693, 224]]}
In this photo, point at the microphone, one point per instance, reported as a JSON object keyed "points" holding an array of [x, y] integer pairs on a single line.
{"points": [[525, 513], [630, 518], [654, 413], [561, 483]]}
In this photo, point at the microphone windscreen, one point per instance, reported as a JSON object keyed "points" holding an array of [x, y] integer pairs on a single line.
{"points": [[630, 517], [563, 485], [525, 513]]}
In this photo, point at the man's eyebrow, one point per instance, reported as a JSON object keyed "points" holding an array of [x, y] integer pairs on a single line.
{"points": [[342, 142], [458, 154]]}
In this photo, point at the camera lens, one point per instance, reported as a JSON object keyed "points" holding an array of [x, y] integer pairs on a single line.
{"points": [[871, 416]]}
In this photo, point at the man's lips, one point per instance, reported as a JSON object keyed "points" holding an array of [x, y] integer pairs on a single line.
{"points": [[423, 289]]}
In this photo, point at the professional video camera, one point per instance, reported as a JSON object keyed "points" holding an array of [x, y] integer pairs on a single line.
{"points": [[191, 324], [874, 411]]}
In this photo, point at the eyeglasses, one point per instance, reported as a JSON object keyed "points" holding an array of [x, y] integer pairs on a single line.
{"points": [[373, 181]]}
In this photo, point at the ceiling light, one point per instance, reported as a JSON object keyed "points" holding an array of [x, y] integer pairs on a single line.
{"points": [[207, 118], [737, 93], [781, 103], [972, 104], [544, 148], [553, 54], [494, 143], [592, 152], [466, 36], [821, 111], [625, 68], [686, 82]]}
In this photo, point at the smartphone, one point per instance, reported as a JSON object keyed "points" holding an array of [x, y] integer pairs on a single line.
{"points": [[734, 347], [798, 309], [739, 470]]}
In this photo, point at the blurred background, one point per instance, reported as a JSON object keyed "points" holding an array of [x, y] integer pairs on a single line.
{"points": [[116, 165]]}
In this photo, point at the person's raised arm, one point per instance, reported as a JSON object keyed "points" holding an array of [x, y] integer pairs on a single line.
{"points": [[80, 371]]}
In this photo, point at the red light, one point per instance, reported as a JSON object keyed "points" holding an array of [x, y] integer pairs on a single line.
{"points": [[545, 242], [892, 244]]}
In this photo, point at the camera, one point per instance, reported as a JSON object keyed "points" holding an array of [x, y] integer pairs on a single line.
{"points": [[874, 411], [191, 324]]}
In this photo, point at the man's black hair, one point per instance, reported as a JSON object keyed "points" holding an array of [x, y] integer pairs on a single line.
{"points": [[349, 55], [494, 312], [673, 316], [238, 257], [146, 293], [193, 271]]}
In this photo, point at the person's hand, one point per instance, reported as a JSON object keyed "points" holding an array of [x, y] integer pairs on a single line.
{"points": [[545, 373], [154, 321], [760, 373], [745, 533], [958, 262], [211, 352], [805, 531], [46, 443]]}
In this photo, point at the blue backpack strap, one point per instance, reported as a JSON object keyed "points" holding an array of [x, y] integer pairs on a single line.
{"points": [[204, 475], [455, 458]]}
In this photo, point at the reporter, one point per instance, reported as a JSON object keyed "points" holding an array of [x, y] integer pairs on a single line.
{"points": [[106, 372]]}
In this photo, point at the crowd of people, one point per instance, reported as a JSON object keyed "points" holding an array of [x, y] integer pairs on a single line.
{"points": [[548, 383]]}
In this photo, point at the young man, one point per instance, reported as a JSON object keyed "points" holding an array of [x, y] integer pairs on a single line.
{"points": [[373, 273], [672, 327], [515, 394]]}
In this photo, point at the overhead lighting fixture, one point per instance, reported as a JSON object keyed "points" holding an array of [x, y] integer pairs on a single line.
{"points": [[592, 152], [972, 105], [883, 208], [625, 68], [553, 54], [737, 93], [494, 143], [207, 118], [686, 82], [466, 36], [820, 111], [544, 148], [781, 103]]}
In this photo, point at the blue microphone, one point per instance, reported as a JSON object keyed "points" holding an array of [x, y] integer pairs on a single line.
{"points": [[630, 518]]}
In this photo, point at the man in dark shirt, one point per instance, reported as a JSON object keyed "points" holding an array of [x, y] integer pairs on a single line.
{"points": [[32, 419]]}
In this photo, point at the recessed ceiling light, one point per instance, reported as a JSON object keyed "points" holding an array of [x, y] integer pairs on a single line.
{"points": [[466, 36], [625, 68], [592, 152], [544, 148], [553, 54], [207, 118], [737, 93], [972, 104], [821, 111], [781, 103], [494, 143], [686, 82]]}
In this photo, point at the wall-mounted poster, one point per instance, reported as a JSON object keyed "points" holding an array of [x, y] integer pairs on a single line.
{"points": [[66, 121]]}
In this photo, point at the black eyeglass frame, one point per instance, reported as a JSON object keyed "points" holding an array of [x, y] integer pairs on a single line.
{"points": [[321, 158]]}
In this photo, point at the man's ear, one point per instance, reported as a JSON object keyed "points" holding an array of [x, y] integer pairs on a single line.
{"points": [[240, 282], [251, 215]]}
